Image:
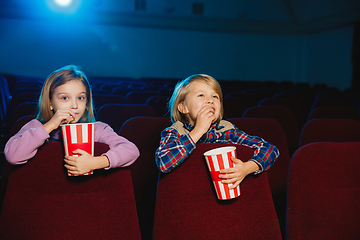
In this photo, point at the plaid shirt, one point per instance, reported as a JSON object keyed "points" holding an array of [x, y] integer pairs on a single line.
{"points": [[175, 148]]}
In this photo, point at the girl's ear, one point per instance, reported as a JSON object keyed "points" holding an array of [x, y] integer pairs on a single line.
{"points": [[51, 107], [182, 108]]}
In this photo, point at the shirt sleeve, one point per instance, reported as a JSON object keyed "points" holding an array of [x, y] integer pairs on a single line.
{"points": [[122, 152], [173, 150], [265, 153], [24, 144]]}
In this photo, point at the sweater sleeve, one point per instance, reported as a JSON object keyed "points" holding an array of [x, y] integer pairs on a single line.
{"points": [[122, 152], [24, 144], [173, 150]]}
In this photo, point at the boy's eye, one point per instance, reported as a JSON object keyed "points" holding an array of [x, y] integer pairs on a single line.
{"points": [[216, 96], [201, 95]]}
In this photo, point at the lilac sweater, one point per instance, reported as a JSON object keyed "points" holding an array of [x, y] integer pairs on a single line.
{"points": [[24, 145]]}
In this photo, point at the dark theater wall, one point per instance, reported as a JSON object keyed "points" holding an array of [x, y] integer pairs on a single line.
{"points": [[37, 47]]}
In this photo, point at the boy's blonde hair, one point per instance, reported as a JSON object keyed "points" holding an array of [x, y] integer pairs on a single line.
{"points": [[56, 79], [181, 91]]}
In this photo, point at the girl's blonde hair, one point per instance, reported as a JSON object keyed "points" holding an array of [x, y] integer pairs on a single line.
{"points": [[181, 91], [56, 79]]}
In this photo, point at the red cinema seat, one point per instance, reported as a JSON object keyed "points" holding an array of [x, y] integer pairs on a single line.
{"points": [[291, 104], [23, 109], [331, 102], [100, 100], [324, 192], [187, 206], [159, 104], [271, 130], [330, 130], [333, 112], [140, 96], [7, 166], [42, 202], [144, 132], [116, 114], [284, 116], [234, 107]]}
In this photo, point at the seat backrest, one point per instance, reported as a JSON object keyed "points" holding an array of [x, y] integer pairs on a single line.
{"points": [[159, 104], [100, 100], [333, 112], [5, 97], [42, 202], [270, 130], [23, 97], [144, 132], [140, 96], [187, 203], [23, 109], [234, 107], [324, 192], [7, 166], [291, 104], [331, 102], [330, 130], [116, 114], [284, 116]]}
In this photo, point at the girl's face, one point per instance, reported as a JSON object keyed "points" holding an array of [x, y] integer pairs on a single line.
{"points": [[71, 95], [200, 95]]}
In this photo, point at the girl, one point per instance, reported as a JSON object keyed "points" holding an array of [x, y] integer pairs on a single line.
{"points": [[196, 111], [66, 98]]}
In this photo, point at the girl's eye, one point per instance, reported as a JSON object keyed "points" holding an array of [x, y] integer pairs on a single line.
{"points": [[81, 98], [64, 98]]}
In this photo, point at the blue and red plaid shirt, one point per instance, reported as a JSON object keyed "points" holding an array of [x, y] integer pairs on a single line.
{"points": [[175, 148]]}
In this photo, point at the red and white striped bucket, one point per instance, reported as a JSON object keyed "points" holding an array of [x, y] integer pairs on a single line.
{"points": [[78, 136], [217, 159]]}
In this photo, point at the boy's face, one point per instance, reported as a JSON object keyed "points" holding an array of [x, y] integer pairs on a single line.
{"points": [[200, 95], [71, 95]]}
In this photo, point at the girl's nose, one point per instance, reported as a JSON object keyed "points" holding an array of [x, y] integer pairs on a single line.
{"points": [[74, 104]]}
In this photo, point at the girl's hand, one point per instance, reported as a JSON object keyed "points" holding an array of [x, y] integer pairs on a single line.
{"points": [[204, 119], [84, 163], [237, 174], [60, 117]]}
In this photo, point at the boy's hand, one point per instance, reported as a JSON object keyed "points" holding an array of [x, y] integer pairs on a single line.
{"points": [[237, 174], [204, 119]]}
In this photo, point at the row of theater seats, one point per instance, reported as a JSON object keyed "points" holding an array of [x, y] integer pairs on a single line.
{"points": [[280, 115], [320, 180], [145, 134]]}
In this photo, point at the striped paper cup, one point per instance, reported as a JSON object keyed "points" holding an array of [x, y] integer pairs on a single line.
{"points": [[217, 159], [78, 136]]}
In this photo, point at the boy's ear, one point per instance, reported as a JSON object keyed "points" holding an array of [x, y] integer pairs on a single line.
{"points": [[182, 108]]}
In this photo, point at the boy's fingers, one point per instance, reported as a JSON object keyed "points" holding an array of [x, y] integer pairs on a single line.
{"points": [[234, 185]]}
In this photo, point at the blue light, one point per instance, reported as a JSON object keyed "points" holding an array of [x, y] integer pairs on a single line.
{"points": [[64, 6], [63, 3]]}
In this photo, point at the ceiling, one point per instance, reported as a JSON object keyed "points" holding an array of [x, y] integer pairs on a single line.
{"points": [[287, 17]]}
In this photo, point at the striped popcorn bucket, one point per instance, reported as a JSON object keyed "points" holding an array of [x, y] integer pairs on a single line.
{"points": [[78, 136], [217, 159]]}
